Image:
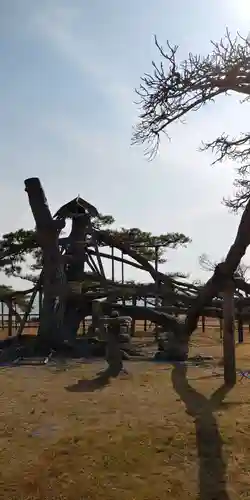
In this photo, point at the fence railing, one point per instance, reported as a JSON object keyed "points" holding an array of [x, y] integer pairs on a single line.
{"points": [[9, 325]]}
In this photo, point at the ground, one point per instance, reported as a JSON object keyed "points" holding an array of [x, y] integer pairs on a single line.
{"points": [[156, 433]]}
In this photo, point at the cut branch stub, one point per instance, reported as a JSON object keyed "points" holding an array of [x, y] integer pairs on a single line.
{"points": [[38, 203], [47, 228]]}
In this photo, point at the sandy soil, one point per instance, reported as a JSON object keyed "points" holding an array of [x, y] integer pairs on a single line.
{"points": [[157, 433]]}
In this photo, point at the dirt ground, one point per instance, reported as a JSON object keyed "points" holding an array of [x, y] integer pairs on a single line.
{"points": [[155, 433]]}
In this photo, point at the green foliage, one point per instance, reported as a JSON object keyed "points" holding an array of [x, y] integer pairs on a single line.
{"points": [[20, 300], [102, 221], [145, 242], [16, 247]]}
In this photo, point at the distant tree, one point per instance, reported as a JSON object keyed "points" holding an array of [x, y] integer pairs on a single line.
{"points": [[209, 265], [15, 247], [175, 87]]}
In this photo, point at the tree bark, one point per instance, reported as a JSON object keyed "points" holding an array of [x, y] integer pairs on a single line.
{"points": [[75, 274], [222, 273], [48, 230]]}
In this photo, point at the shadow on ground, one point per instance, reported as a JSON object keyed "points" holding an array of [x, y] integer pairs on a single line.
{"points": [[85, 385], [212, 464], [102, 380]]}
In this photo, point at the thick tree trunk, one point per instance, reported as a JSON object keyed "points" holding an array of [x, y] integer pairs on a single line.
{"points": [[75, 274], [48, 230], [222, 273]]}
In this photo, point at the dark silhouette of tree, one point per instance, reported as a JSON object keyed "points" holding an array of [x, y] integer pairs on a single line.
{"points": [[174, 88], [19, 249]]}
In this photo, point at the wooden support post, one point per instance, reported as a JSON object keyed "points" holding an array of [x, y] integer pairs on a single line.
{"points": [[96, 312], [28, 310], [83, 327], [93, 265], [156, 282], [15, 313], [10, 318], [122, 269], [134, 300], [145, 321], [113, 264], [228, 335], [240, 331], [40, 302], [240, 326], [99, 260], [221, 328], [2, 314], [203, 322]]}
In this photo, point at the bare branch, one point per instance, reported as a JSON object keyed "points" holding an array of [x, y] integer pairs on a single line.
{"points": [[209, 265], [237, 150], [206, 263], [175, 88]]}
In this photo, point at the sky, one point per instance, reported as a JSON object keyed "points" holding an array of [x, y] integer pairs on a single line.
{"points": [[67, 80]]}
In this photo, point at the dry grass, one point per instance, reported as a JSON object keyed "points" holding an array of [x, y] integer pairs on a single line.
{"points": [[155, 434]]}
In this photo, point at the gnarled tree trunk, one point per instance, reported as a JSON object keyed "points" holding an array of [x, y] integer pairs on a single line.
{"points": [[48, 230], [75, 274]]}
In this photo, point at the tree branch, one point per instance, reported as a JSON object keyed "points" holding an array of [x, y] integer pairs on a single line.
{"points": [[237, 150], [175, 88]]}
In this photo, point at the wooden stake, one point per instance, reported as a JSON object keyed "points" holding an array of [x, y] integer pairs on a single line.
{"points": [[28, 310], [10, 318], [228, 335], [203, 322], [240, 326], [157, 283]]}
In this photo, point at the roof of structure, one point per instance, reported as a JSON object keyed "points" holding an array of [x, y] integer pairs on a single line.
{"points": [[75, 207]]}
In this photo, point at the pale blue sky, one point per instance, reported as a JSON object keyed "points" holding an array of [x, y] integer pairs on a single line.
{"points": [[68, 72]]}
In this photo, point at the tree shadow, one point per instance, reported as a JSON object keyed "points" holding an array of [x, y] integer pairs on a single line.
{"points": [[102, 380], [212, 464], [84, 385], [205, 377]]}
